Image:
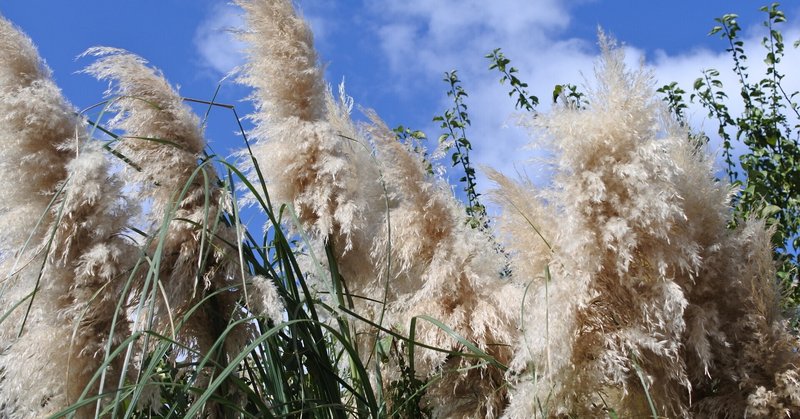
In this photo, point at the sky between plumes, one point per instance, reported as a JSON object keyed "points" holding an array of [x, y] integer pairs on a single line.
{"points": [[392, 53]]}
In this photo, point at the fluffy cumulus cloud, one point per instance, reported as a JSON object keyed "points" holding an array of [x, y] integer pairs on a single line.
{"points": [[448, 33], [216, 41]]}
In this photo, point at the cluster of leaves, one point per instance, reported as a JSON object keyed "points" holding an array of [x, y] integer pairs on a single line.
{"points": [[673, 96], [567, 93], [674, 99], [413, 139], [766, 170], [570, 96], [454, 122], [406, 393], [525, 101]]}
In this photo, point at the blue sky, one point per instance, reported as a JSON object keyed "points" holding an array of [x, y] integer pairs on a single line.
{"points": [[392, 53]]}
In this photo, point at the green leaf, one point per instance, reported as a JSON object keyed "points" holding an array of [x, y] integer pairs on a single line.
{"points": [[770, 210], [557, 92]]}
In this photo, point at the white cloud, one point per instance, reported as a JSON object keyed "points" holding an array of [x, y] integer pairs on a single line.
{"points": [[448, 33], [215, 42]]}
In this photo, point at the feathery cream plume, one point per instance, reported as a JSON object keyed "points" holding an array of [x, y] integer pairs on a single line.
{"points": [[63, 258], [649, 290], [163, 138], [314, 158]]}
